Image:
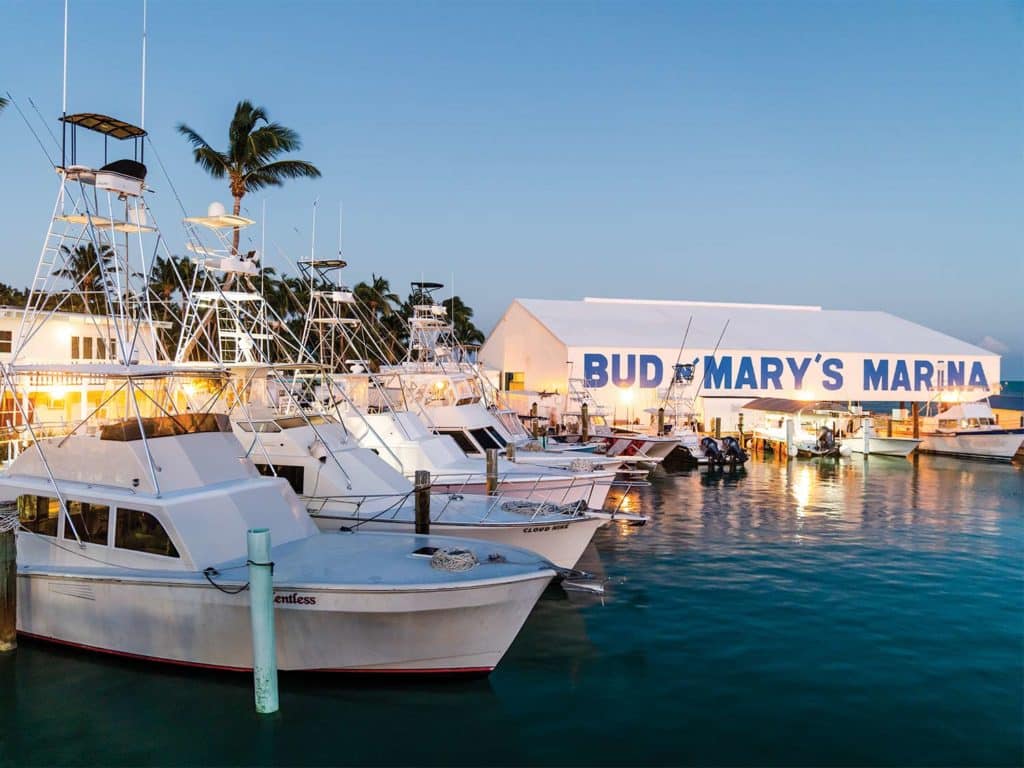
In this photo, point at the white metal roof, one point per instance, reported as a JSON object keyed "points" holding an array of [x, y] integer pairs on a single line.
{"points": [[627, 323]]}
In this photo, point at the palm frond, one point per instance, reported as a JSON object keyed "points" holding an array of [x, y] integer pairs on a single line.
{"points": [[208, 158], [274, 174]]}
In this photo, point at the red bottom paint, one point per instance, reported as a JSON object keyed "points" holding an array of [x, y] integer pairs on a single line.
{"points": [[199, 665]]}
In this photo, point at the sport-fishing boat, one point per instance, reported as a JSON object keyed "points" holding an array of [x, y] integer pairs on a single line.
{"points": [[349, 488], [345, 486], [967, 430], [133, 519], [426, 414]]}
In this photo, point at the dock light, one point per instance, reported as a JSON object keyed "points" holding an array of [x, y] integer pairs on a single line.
{"points": [[57, 391], [189, 388], [626, 396]]}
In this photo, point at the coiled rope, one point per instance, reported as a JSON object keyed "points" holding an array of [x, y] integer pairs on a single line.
{"points": [[9, 519], [524, 507], [453, 560]]}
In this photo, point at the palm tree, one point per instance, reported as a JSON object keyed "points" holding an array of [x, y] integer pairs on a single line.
{"points": [[461, 318], [82, 268], [249, 161], [3, 103]]}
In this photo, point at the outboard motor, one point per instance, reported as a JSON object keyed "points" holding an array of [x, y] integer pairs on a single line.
{"points": [[732, 450], [712, 451], [826, 440]]}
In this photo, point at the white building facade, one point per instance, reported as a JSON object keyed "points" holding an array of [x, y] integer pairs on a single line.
{"points": [[722, 355]]}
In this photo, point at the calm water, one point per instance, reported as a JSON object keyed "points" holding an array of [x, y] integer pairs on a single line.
{"points": [[805, 614]]}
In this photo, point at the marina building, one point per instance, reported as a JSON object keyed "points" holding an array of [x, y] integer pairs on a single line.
{"points": [[629, 354], [55, 393]]}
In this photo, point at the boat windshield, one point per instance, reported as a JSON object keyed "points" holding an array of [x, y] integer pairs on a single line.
{"points": [[127, 430]]}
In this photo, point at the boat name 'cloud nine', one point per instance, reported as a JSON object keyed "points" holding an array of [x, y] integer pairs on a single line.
{"points": [[747, 372]]}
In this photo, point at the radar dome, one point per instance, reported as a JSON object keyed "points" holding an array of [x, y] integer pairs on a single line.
{"points": [[215, 209]]}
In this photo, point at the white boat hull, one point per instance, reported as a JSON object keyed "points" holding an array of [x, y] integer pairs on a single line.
{"points": [[561, 542], [644, 447], [997, 446], [190, 622], [884, 446], [554, 489]]}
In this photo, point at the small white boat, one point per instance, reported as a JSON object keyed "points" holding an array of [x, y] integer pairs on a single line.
{"points": [[880, 444]]}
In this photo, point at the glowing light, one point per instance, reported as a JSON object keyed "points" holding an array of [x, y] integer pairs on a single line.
{"points": [[950, 396], [57, 392], [804, 394], [439, 385], [626, 396], [189, 388]]}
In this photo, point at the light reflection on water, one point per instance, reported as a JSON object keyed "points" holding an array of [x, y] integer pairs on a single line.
{"points": [[801, 613]]}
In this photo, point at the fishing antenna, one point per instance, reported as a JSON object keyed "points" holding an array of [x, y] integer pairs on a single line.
{"points": [[31, 129], [142, 111], [679, 357], [713, 353]]}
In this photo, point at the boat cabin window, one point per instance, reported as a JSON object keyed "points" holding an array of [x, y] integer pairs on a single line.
{"points": [[127, 430], [294, 475], [497, 436], [258, 426], [142, 532], [39, 514], [484, 438], [89, 521], [460, 437]]}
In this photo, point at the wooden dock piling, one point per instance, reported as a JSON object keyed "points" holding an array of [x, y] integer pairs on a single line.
{"points": [[492, 471], [422, 492], [8, 584]]}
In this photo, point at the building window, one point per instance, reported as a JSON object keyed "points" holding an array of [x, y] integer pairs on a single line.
{"points": [[75, 348], [87, 347], [515, 381], [89, 521], [39, 514], [101, 349], [141, 532], [6, 340]]}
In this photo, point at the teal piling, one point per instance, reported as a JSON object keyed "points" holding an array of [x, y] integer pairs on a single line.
{"points": [[261, 609]]}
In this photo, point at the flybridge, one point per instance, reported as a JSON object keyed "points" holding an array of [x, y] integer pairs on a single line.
{"points": [[750, 373]]}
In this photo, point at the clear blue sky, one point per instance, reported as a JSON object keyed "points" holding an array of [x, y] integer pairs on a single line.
{"points": [[856, 155]]}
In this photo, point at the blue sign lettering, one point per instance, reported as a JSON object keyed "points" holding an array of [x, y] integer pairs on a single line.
{"points": [[745, 376], [955, 373], [923, 371], [595, 370], [977, 376], [617, 378], [771, 371], [831, 370], [900, 376], [717, 375], [798, 371], [651, 371]]}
